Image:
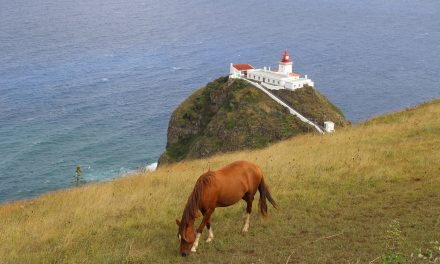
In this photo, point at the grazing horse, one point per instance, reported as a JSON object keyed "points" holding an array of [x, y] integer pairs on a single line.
{"points": [[225, 187]]}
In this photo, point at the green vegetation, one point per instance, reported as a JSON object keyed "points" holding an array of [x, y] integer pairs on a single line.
{"points": [[313, 105], [78, 179], [365, 194], [224, 117]]}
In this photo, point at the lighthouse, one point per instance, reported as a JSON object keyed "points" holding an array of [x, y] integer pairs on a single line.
{"points": [[284, 78], [286, 64]]}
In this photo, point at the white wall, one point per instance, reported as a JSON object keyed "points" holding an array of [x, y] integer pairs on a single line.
{"points": [[285, 68], [234, 73], [272, 78], [329, 126], [297, 83]]}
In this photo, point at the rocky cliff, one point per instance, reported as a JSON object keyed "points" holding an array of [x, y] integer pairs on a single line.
{"points": [[227, 116]]}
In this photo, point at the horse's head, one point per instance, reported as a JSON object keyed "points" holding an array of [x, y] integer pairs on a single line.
{"points": [[187, 236]]}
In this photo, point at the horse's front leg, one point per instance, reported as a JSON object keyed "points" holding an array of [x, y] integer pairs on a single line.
{"points": [[210, 233], [205, 220]]}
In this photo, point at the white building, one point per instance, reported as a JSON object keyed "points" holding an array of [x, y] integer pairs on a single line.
{"points": [[284, 78], [329, 126]]}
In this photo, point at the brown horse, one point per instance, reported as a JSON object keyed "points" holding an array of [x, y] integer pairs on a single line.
{"points": [[225, 187]]}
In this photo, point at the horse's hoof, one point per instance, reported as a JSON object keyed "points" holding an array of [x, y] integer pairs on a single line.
{"points": [[209, 240], [193, 250], [244, 230]]}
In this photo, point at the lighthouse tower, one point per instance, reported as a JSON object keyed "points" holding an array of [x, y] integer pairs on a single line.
{"points": [[286, 64]]}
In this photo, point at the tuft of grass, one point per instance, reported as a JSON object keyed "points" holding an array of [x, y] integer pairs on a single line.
{"points": [[361, 194]]}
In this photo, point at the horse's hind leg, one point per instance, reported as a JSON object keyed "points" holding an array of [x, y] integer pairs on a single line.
{"points": [[249, 199]]}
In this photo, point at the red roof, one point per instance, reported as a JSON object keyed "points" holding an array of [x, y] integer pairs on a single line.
{"points": [[294, 74], [243, 67]]}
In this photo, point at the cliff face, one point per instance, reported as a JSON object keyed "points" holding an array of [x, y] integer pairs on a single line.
{"points": [[223, 117]]}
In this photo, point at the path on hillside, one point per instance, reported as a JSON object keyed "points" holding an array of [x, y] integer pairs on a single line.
{"points": [[281, 102]]}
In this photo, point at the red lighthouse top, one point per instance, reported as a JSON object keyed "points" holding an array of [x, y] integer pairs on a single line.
{"points": [[285, 58]]}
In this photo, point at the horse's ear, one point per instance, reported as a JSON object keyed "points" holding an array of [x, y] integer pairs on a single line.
{"points": [[183, 234]]}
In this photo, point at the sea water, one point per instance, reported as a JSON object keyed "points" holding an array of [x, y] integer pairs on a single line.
{"points": [[93, 82]]}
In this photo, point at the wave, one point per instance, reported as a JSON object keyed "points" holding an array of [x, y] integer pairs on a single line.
{"points": [[181, 68], [151, 167]]}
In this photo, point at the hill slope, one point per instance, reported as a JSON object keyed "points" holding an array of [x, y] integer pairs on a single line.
{"points": [[350, 197], [224, 117], [313, 105]]}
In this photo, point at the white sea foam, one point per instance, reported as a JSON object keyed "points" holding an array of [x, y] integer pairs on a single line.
{"points": [[151, 167]]}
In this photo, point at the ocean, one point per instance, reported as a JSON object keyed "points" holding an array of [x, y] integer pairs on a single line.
{"points": [[95, 82]]}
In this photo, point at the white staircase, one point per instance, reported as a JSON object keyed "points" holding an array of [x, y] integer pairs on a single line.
{"points": [[291, 110]]}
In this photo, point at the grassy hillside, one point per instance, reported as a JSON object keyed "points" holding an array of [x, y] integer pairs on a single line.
{"points": [[224, 117], [361, 194], [313, 105]]}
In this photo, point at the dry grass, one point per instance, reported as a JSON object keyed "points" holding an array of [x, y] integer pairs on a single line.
{"points": [[338, 195]]}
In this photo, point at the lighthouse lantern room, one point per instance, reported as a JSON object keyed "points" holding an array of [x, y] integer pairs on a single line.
{"points": [[286, 64]]}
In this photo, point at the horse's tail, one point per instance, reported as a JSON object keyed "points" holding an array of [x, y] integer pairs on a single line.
{"points": [[265, 194]]}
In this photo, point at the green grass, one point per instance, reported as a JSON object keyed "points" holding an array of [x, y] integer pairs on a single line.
{"points": [[368, 192], [310, 103]]}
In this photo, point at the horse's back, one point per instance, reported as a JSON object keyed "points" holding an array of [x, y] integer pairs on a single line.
{"points": [[240, 169], [235, 180]]}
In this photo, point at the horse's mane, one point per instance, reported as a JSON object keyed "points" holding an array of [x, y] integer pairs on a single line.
{"points": [[193, 203]]}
